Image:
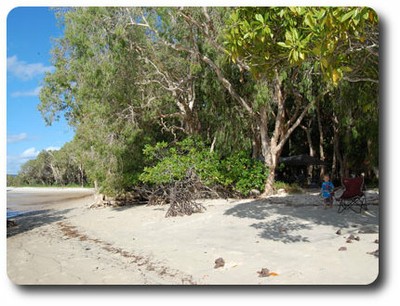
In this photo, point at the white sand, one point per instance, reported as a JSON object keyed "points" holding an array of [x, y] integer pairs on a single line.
{"points": [[292, 236]]}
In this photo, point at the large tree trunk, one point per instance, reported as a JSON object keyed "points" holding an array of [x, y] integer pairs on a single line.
{"points": [[81, 174], [284, 127], [321, 140], [337, 166], [272, 159], [310, 169], [256, 151], [272, 147]]}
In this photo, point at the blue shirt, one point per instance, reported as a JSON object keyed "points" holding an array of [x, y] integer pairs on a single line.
{"points": [[326, 189]]}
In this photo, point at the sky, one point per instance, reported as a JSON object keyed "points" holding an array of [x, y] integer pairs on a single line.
{"points": [[30, 34]]}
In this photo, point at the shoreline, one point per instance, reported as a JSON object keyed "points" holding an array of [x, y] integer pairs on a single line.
{"points": [[289, 235], [27, 199], [46, 189]]}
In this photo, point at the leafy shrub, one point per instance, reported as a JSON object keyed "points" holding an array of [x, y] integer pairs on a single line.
{"points": [[172, 163], [243, 173]]}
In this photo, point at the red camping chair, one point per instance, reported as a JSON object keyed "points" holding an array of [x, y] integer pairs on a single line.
{"points": [[353, 196]]}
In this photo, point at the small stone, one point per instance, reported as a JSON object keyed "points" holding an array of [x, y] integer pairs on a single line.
{"points": [[375, 253], [255, 193], [263, 273], [376, 241], [342, 249], [219, 262], [339, 232], [266, 273], [281, 191], [349, 241]]}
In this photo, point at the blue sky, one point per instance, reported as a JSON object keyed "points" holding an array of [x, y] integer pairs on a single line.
{"points": [[30, 31]]}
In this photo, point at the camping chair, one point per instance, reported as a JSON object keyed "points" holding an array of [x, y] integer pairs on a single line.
{"points": [[353, 196]]}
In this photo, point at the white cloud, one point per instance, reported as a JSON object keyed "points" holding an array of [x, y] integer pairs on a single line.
{"points": [[52, 149], [25, 71], [31, 93], [14, 162], [29, 153], [17, 137]]}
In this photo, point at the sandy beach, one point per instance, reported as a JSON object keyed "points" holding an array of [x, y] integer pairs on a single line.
{"points": [[67, 242]]}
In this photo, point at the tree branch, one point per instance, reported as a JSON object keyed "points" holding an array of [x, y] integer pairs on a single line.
{"points": [[355, 80]]}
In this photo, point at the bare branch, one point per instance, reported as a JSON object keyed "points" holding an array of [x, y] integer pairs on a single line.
{"points": [[293, 127], [228, 86], [355, 80]]}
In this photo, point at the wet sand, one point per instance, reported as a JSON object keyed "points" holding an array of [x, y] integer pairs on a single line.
{"points": [[28, 199]]}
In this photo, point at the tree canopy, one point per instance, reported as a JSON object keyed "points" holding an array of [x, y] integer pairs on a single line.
{"points": [[231, 86]]}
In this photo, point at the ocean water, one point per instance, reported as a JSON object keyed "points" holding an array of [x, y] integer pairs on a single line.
{"points": [[13, 214]]}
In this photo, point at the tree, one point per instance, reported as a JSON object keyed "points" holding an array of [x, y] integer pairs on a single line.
{"points": [[276, 41], [118, 75], [238, 78], [38, 171], [93, 85], [166, 70]]}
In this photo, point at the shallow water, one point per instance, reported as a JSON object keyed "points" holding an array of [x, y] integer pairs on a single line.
{"points": [[13, 214]]}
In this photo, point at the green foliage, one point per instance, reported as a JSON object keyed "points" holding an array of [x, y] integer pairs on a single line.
{"points": [[173, 162], [57, 168], [94, 86], [358, 119], [243, 173], [131, 90], [13, 180], [264, 36]]}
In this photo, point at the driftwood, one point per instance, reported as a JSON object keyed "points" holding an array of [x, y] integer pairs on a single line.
{"points": [[180, 195], [182, 201]]}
